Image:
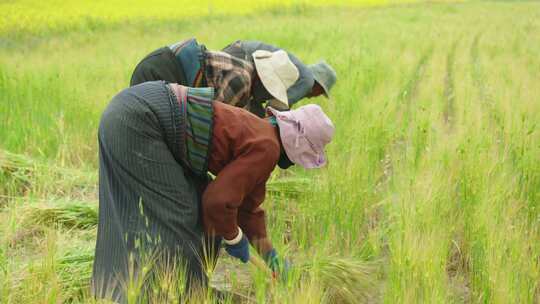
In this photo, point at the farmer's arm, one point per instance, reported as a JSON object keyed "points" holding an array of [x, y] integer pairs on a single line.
{"points": [[251, 218], [233, 198]]}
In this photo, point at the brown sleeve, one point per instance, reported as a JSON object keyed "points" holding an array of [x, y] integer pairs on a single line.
{"points": [[251, 216], [236, 187]]}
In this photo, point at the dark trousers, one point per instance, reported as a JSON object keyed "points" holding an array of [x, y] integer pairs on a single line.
{"points": [[149, 205]]}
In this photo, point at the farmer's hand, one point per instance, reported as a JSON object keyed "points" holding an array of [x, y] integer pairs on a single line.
{"points": [[280, 267], [238, 247]]}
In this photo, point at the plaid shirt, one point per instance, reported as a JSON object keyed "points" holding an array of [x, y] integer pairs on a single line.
{"points": [[230, 77]]}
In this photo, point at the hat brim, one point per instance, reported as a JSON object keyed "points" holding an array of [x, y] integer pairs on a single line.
{"points": [[271, 81], [326, 92]]}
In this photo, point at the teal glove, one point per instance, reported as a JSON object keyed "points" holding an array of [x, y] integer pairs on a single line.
{"points": [[280, 268]]}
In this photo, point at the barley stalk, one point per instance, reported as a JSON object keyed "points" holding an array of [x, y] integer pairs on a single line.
{"points": [[345, 280]]}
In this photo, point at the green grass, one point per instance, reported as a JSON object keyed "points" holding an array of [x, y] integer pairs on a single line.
{"points": [[433, 176]]}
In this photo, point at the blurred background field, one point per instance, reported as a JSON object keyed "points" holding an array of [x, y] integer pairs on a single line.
{"points": [[434, 173], [58, 16]]}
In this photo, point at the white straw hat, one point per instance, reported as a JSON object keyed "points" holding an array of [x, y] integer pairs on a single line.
{"points": [[277, 73]]}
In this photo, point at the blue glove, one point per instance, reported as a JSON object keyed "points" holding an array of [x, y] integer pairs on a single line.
{"points": [[239, 250], [280, 268]]}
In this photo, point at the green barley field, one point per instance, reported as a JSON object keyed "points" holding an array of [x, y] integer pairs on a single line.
{"points": [[433, 181]]}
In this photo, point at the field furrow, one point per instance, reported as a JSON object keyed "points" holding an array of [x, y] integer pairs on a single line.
{"points": [[484, 90], [410, 89], [449, 87]]}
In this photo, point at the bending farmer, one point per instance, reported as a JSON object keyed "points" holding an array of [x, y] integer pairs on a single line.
{"points": [[157, 141], [248, 78], [314, 80]]}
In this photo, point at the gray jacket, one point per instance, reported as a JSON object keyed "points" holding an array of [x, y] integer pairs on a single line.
{"points": [[304, 84]]}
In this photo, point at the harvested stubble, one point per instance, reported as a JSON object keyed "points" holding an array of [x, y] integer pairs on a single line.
{"points": [[345, 280], [342, 280], [21, 176], [15, 173], [287, 186], [70, 270], [74, 270], [80, 215]]}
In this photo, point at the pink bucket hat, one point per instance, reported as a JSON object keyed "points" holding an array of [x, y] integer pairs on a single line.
{"points": [[304, 133]]}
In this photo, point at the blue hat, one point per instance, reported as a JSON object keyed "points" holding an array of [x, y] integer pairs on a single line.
{"points": [[324, 74]]}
